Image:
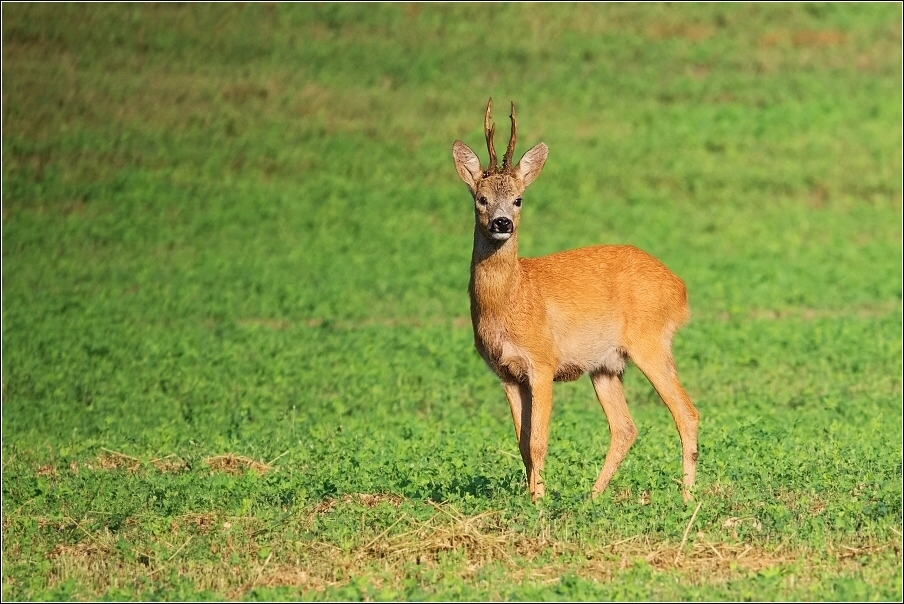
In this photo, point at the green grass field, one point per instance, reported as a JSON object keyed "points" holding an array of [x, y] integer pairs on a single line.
{"points": [[237, 361]]}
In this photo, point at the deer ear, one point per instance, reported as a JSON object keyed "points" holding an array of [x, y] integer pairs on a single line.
{"points": [[531, 163], [467, 163]]}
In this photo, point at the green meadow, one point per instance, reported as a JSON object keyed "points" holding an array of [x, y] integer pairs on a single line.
{"points": [[237, 361]]}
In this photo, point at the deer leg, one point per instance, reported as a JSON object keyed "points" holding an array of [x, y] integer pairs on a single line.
{"points": [[531, 406], [518, 395], [660, 370], [622, 431], [536, 437]]}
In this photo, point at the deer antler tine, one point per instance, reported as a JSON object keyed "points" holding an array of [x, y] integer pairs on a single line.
{"points": [[490, 134], [510, 151]]}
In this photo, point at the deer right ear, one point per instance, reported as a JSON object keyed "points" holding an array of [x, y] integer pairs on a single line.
{"points": [[468, 165]]}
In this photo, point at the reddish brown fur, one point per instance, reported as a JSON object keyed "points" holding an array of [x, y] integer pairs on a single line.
{"points": [[587, 310]]}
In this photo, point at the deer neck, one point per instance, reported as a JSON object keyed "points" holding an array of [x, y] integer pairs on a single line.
{"points": [[495, 275]]}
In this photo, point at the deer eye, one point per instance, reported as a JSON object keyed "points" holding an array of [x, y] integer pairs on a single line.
{"points": [[482, 201], [518, 202]]}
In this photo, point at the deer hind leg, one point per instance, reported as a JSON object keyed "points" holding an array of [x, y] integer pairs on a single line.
{"points": [[660, 370], [531, 406], [622, 431]]}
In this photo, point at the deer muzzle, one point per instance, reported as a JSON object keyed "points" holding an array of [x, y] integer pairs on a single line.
{"points": [[501, 228]]}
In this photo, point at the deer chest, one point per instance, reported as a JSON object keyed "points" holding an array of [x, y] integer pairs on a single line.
{"points": [[509, 359]]}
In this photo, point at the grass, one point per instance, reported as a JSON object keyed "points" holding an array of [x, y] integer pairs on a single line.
{"points": [[236, 355]]}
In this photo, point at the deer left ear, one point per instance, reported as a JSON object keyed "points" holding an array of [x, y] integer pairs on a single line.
{"points": [[528, 169]]}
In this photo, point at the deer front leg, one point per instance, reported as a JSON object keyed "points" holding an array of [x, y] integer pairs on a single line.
{"points": [[518, 395], [538, 434], [536, 410], [531, 405]]}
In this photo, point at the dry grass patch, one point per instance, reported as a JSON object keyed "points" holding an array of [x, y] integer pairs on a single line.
{"points": [[818, 38], [47, 470], [369, 500], [236, 464], [169, 464], [115, 460], [470, 543], [201, 522], [483, 537], [285, 575], [236, 558], [100, 544]]}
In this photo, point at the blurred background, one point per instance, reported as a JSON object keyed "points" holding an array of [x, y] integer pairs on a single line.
{"points": [[293, 161]]}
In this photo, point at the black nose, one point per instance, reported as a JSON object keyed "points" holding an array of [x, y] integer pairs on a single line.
{"points": [[502, 225]]}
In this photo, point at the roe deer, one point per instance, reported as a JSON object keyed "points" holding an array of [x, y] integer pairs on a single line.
{"points": [[539, 320]]}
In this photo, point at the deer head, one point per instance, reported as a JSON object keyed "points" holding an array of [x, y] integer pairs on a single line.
{"points": [[497, 191]]}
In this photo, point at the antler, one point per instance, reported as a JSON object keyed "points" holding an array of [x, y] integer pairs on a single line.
{"points": [[490, 132], [507, 159]]}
